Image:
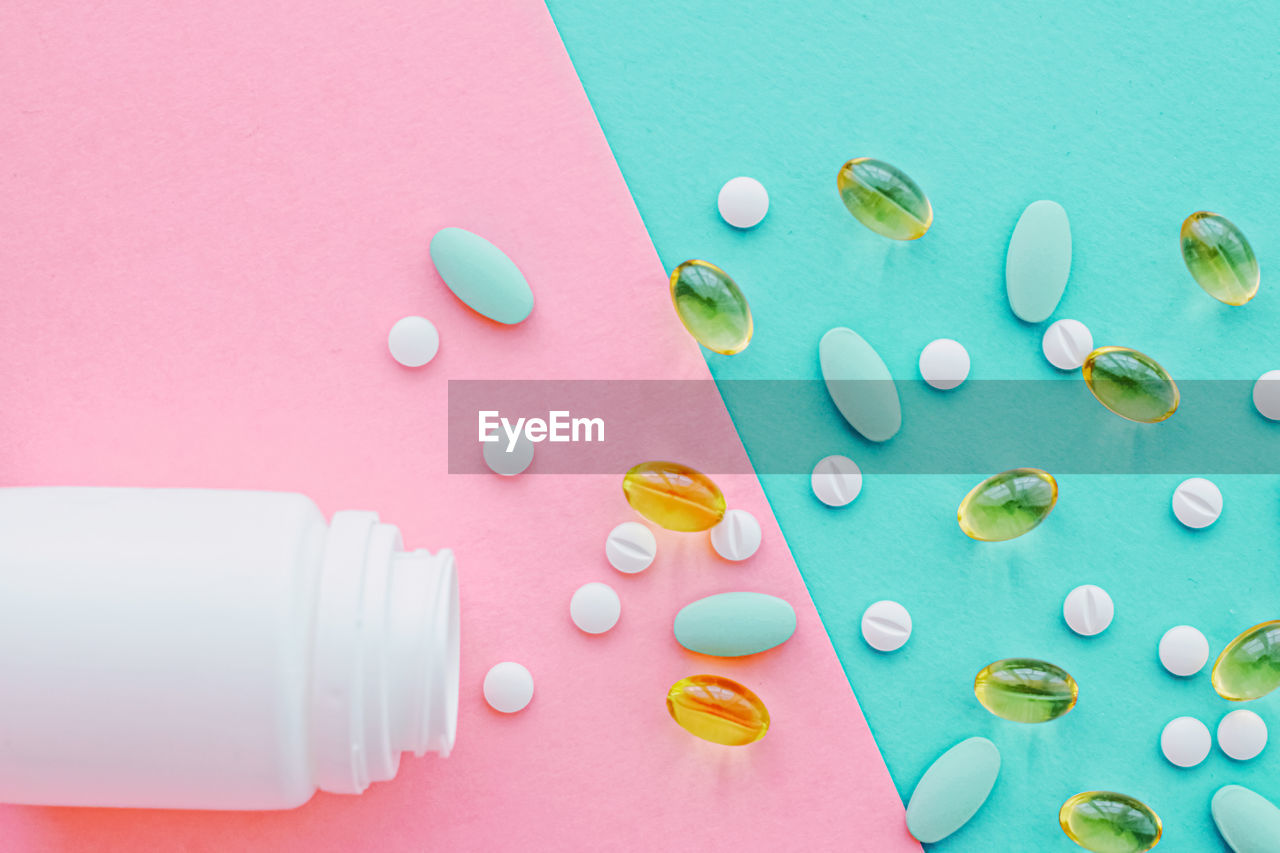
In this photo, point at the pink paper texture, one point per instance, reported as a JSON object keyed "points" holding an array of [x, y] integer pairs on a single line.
{"points": [[213, 213]]}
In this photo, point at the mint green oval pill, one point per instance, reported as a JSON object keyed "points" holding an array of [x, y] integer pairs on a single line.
{"points": [[733, 624], [481, 275], [1248, 822], [953, 789], [1039, 261], [860, 384]]}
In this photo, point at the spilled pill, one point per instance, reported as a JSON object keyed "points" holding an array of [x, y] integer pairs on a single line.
{"points": [[413, 341], [1008, 504], [1185, 741], [481, 275], [1266, 395], [953, 789], [743, 202], [674, 496], [836, 480], [1249, 667], [1067, 343], [718, 709], [595, 607], [1197, 502], [944, 364], [1025, 690], [630, 547], [737, 536], [512, 461], [1039, 261], [1183, 650], [711, 307], [884, 199], [1242, 734], [886, 626], [1107, 822], [1131, 384], [860, 385], [508, 687], [1088, 610], [1247, 821], [734, 624], [1219, 258]]}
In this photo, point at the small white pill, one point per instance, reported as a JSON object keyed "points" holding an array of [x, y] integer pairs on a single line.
{"points": [[1242, 734], [743, 202], [1184, 650], [508, 463], [737, 536], [631, 547], [886, 626], [944, 363], [1088, 610], [1185, 741], [413, 341], [836, 480], [1067, 343], [508, 687], [1197, 502], [595, 607], [1266, 395]]}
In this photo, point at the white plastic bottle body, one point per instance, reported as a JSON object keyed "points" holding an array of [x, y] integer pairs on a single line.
{"points": [[211, 649]]}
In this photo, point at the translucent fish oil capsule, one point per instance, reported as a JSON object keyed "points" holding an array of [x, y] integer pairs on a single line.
{"points": [[711, 307], [1107, 822], [1219, 258], [718, 709], [884, 199], [1025, 690], [1008, 505], [1249, 667], [674, 496], [1130, 384]]}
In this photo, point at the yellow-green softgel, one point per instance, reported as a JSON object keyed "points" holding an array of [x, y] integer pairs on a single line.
{"points": [[1026, 690], [1219, 258], [711, 307], [884, 199], [1007, 505], [1107, 822], [1131, 384], [1249, 667]]}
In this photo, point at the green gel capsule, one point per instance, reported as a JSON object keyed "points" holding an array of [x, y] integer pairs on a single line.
{"points": [[1106, 822], [884, 199], [1025, 690], [1130, 384], [1249, 667], [1219, 258], [1007, 505], [711, 307]]}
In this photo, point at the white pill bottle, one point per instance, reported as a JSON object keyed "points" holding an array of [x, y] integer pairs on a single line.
{"points": [[206, 649]]}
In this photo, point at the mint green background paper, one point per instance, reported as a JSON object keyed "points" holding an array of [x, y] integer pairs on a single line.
{"points": [[1132, 116]]}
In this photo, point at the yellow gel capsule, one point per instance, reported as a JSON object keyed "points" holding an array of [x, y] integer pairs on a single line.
{"points": [[1219, 258], [884, 199], [1007, 505], [1025, 690], [674, 496], [1107, 822], [711, 307], [718, 709], [1131, 384], [1249, 667]]}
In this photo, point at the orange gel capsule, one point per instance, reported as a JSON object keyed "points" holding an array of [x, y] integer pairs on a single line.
{"points": [[674, 496], [718, 709]]}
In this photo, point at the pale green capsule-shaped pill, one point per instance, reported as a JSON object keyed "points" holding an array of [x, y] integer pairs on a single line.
{"points": [[711, 307], [953, 789], [481, 275], [1107, 822], [1039, 261], [1248, 822], [733, 624], [1219, 258], [860, 384]]}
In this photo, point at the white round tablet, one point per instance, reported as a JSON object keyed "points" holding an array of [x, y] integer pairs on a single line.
{"points": [[413, 341], [1088, 610], [595, 607], [836, 480], [1185, 741], [506, 462], [1067, 343], [1197, 502], [1184, 650], [1266, 395], [737, 536], [743, 202], [508, 687], [631, 547], [886, 626], [944, 363], [1242, 734]]}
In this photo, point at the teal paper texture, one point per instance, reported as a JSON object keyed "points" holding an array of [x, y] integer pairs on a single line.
{"points": [[1132, 116]]}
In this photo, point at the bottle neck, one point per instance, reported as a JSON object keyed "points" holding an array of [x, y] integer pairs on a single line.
{"points": [[385, 654]]}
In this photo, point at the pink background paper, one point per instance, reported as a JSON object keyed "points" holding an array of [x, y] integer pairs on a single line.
{"points": [[212, 215]]}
